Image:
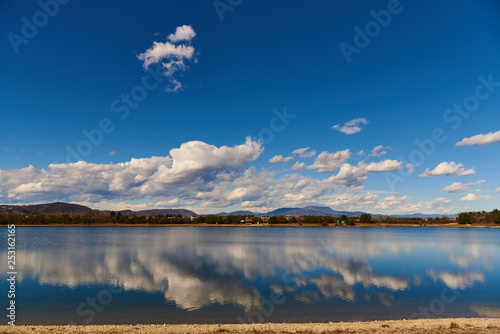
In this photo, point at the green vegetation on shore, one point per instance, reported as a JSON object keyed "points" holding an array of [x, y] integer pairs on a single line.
{"points": [[479, 217], [112, 218]]}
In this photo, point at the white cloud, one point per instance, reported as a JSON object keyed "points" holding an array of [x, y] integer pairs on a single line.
{"points": [[498, 190], [448, 169], [203, 178], [304, 152], [298, 165], [182, 33], [118, 206], [160, 51], [391, 201], [481, 139], [474, 197], [441, 204], [352, 201], [467, 172], [195, 157], [457, 187], [291, 190], [112, 152], [329, 162], [411, 168], [378, 151], [192, 166], [351, 176], [173, 57], [280, 159], [351, 127], [382, 166], [354, 176], [168, 204]]}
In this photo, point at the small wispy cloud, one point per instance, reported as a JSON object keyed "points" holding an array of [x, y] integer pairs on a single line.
{"points": [[173, 58], [279, 159], [481, 139], [458, 187], [448, 169], [473, 197], [327, 162], [112, 152], [304, 152], [300, 166], [379, 151], [382, 166], [351, 127], [182, 33], [411, 168]]}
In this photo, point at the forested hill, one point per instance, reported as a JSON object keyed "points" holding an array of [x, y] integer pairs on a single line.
{"points": [[76, 209], [58, 207]]}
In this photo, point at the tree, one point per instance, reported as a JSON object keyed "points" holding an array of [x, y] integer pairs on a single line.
{"points": [[464, 218], [365, 219], [346, 220], [273, 220]]}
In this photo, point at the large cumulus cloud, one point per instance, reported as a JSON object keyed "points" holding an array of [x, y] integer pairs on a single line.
{"points": [[191, 166]]}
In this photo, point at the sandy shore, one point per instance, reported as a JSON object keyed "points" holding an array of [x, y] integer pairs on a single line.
{"points": [[442, 326]]}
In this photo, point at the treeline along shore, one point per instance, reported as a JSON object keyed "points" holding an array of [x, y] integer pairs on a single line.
{"points": [[102, 218]]}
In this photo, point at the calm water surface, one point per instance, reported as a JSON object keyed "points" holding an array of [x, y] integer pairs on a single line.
{"points": [[249, 274]]}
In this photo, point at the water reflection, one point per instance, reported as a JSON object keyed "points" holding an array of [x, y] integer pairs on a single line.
{"points": [[191, 280], [196, 267], [458, 281], [485, 311]]}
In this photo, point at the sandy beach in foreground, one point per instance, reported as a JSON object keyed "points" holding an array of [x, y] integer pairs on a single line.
{"points": [[459, 325]]}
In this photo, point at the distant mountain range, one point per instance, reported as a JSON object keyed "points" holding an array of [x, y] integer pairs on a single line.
{"points": [[67, 208], [313, 211], [325, 211]]}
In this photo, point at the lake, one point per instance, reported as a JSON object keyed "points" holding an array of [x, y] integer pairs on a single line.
{"points": [[130, 275]]}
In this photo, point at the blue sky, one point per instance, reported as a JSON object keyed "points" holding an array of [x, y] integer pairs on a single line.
{"points": [[248, 83]]}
